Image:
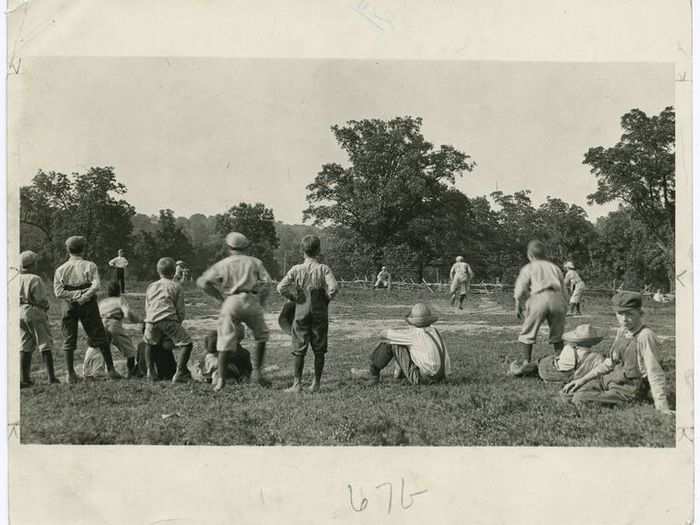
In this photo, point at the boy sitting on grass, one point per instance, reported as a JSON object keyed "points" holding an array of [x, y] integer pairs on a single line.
{"points": [[311, 285], [238, 367], [577, 358], [165, 312], [113, 310], [631, 364], [34, 326]]}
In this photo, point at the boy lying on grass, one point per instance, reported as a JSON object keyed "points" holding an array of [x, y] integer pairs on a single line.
{"points": [[238, 366], [631, 364], [419, 350], [576, 359]]}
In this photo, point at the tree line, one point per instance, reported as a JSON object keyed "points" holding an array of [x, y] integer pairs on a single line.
{"points": [[393, 204]]}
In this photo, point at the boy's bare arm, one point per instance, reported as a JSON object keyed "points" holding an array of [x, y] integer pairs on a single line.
{"points": [[207, 283]]}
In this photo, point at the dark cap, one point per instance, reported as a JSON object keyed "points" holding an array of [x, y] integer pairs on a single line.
{"points": [[626, 301]]}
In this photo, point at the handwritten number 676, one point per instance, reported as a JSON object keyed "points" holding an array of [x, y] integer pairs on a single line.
{"points": [[406, 500]]}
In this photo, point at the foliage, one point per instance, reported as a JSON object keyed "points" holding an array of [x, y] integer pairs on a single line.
{"points": [[88, 204]]}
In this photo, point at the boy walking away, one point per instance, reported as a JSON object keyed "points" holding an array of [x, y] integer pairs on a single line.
{"points": [[239, 366], [241, 283], [630, 367], [113, 310], [576, 359], [119, 263], [34, 326], [575, 286], [539, 296], [165, 312], [383, 279], [311, 285], [76, 282], [419, 350], [461, 275]]}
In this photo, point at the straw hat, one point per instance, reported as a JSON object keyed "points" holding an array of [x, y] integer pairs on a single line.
{"points": [[583, 334], [237, 241], [421, 316]]}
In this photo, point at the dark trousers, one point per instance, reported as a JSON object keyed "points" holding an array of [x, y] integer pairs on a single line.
{"points": [[89, 316], [119, 277], [384, 353]]}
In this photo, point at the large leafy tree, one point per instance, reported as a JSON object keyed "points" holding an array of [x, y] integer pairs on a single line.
{"points": [[256, 222], [566, 231], [88, 204], [639, 171], [393, 178]]}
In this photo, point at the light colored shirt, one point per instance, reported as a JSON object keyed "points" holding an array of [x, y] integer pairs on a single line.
{"points": [[164, 299], [462, 270], [647, 362], [537, 276], [571, 279], [117, 308], [32, 291], [309, 275], [76, 271], [383, 276], [424, 352], [238, 273], [179, 274], [119, 262], [570, 356]]}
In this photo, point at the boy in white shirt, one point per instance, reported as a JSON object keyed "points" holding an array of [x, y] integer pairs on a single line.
{"points": [[419, 350]]}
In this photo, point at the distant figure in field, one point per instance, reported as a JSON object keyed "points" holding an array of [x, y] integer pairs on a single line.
{"points": [[34, 328], [540, 296], [77, 282], [659, 297], [461, 275], [630, 367], [383, 279], [240, 283], [179, 272], [575, 286], [419, 350], [119, 263], [311, 285]]}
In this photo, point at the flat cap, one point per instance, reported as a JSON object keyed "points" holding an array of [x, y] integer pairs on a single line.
{"points": [[626, 301], [237, 241], [27, 258], [76, 243]]}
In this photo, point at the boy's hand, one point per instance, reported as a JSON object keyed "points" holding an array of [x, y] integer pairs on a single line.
{"points": [[572, 386]]}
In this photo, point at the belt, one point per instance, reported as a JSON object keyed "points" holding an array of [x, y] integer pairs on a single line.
{"points": [[238, 292], [76, 287]]}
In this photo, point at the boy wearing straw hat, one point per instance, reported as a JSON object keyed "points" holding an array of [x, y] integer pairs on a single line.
{"points": [[241, 283], [461, 275], [577, 358], [631, 363], [419, 350], [575, 286], [34, 328], [540, 297], [77, 282], [311, 285]]}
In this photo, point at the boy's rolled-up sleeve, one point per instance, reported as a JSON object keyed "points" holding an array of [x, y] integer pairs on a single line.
{"points": [[522, 285], [647, 346], [331, 283], [284, 288], [397, 337]]}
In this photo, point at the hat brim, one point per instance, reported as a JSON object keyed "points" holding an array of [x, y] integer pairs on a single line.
{"points": [[421, 322], [580, 340]]}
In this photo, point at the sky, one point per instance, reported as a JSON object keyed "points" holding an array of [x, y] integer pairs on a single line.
{"points": [[198, 135]]}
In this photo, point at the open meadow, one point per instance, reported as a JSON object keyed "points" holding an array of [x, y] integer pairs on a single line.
{"points": [[479, 406]]}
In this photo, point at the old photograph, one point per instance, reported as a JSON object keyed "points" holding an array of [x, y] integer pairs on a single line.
{"points": [[327, 252]]}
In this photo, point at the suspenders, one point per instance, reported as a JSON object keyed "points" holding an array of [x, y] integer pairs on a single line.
{"points": [[441, 350]]}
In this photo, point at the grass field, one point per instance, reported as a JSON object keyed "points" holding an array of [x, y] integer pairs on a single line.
{"points": [[479, 406]]}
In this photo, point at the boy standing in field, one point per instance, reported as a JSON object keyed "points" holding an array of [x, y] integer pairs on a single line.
{"points": [[77, 282], [539, 296], [461, 275], [311, 285], [383, 279], [165, 312], [631, 362], [34, 326], [575, 286], [113, 310], [119, 263], [241, 283]]}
